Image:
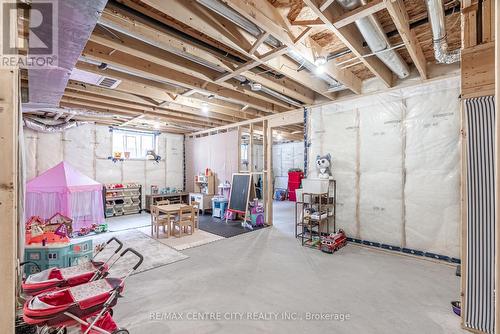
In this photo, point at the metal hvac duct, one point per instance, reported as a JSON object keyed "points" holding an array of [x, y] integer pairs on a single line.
{"points": [[435, 9], [374, 35], [36, 125], [74, 112], [233, 16], [181, 53], [76, 20]]}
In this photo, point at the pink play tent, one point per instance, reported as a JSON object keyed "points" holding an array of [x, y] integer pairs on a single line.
{"points": [[65, 190]]}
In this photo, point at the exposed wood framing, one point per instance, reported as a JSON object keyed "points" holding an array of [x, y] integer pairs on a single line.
{"points": [[477, 77], [400, 18], [9, 111], [228, 37], [358, 13], [353, 40], [262, 17]]}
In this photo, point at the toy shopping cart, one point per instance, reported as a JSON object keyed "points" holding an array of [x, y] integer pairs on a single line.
{"points": [[88, 305], [57, 278]]}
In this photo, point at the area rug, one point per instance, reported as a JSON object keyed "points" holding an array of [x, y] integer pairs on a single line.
{"points": [[223, 229], [187, 241], [156, 254]]}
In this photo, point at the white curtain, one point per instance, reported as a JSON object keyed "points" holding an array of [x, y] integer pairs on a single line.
{"points": [[44, 205], [86, 209]]}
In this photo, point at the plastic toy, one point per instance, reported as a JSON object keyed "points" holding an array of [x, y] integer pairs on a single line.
{"points": [[333, 242], [323, 164], [101, 228], [58, 219]]}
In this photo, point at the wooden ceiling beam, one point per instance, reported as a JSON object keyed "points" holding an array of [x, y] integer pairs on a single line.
{"points": [[135, 85], [182, 71], [261, 17], [137, 28], [207, 26], [401, 20], [358, 13], [178, 118], [151, 71], [350, 36], [211, 114]]}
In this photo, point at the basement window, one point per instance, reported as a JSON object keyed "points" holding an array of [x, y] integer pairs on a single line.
{"points": [[134, 144]]}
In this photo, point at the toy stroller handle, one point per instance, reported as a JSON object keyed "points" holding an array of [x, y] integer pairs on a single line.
{"points": [[141, 258], [117, 241]]}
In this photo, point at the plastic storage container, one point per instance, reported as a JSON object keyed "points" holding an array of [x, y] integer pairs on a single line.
{"points": [[315, 186]]}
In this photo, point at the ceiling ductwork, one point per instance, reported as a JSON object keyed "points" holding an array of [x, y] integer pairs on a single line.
{"points": [[39, 126], [374, 35], [76, 21], [435, 8], [181, 53], [75, 112], [233, 16]]}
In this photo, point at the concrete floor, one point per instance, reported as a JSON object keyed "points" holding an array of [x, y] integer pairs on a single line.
{"points": [[268, 271]]}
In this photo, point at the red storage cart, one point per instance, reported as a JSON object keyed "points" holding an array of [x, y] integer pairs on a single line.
{"points": [[294, 181]]}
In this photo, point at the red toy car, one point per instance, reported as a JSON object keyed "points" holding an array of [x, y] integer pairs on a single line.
{"points": [[333, 242]]}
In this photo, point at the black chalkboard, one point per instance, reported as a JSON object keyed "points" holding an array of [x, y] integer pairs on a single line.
{"points": [[239, 192]]}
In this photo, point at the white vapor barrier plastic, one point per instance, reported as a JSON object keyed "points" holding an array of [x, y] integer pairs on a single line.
{"points": [[49, 151], [79, 144], [433, 170], [87, 148], [380, 203], [30, 141], [104, 142], [338, 137], [108, 171], [286, 156], [396, 159], [218, 152]]}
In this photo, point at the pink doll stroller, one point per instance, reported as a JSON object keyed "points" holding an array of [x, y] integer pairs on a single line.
{"points": [[88, 305], [57, 278]]}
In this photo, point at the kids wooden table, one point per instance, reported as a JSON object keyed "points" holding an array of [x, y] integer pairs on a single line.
{"points": [[169, 210]]}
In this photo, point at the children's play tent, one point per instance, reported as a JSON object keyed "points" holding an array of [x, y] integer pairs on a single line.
{"points": [[63, 189]]}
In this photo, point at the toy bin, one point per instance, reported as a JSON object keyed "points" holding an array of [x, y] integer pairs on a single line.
{"points": [[315, 186], [295, 177]]}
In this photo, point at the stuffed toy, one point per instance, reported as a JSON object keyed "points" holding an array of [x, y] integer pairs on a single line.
{"points": [[323, 164]]}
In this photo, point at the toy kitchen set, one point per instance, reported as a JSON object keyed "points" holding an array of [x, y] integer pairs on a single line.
{"points": [[204, 190]]}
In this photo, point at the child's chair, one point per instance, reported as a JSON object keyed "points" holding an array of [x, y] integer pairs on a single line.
{"points": [[185, 222], [158, 220], [196, 207]]}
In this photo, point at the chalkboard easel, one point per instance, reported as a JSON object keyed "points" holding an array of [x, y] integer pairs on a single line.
{"points": [[242, 190]]}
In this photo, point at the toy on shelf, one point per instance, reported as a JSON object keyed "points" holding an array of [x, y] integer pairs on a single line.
{"points": [[324, 164], [151, 155], [225, 189], [333, 242]]}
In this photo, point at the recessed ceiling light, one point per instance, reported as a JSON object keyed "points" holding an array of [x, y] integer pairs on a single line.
{"points": [[320, 70], [255, 86], [204, 107], [320, 60]]}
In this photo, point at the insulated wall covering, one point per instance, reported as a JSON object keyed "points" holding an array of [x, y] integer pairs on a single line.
{"points": [[218, 152], [396, 160], [88, 147]]}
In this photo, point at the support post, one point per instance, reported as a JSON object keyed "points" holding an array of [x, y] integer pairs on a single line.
{"points": [[269, 175], [9, 113]]}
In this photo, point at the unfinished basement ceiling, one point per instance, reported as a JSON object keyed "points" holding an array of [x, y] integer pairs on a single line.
{"points": [[191, 65]]}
